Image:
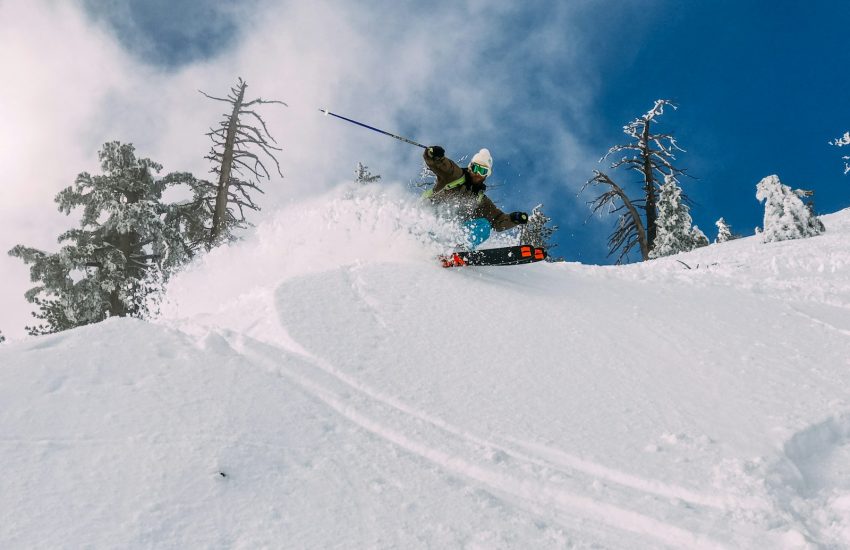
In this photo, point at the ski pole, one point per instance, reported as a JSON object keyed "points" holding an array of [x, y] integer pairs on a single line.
{"points": [[404, 139]]}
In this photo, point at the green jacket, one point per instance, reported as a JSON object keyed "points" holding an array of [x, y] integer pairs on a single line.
{"points": [[455, 188]]}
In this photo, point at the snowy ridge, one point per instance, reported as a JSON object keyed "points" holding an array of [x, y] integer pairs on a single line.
{"points": [[325, 384], [808, 270]]}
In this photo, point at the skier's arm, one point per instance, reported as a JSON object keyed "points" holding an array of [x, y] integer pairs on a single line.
{"points": [[443, 167], [498, 219]]}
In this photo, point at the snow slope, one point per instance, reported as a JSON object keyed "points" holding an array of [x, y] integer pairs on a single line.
{"points": [[325, 385]]}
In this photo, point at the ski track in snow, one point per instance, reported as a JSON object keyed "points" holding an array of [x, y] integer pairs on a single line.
{"points": [[530, 482], [536, 453], [842, 316]]}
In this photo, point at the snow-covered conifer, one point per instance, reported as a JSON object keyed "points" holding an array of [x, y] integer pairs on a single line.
{"points": [[362, 175], [698, 237], [724, 231], [841, 142], [785, 215], [2, 338], [101, 268], [192, 218], [537, 232], [675, 233]]}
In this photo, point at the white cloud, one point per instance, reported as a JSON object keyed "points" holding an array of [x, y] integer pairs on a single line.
{"points": [[448, 76]]}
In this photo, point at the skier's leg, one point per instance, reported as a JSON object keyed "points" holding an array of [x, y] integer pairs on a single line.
{"points": [[476, 231]]}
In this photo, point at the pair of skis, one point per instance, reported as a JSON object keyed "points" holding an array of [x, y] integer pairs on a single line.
{"points": [[508, 255]]}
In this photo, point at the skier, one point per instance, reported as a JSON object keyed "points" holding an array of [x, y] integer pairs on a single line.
{"points": [[462, 191]]}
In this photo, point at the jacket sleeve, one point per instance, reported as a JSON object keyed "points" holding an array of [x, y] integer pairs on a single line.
{"points": [[498, 219], [444, 168]]}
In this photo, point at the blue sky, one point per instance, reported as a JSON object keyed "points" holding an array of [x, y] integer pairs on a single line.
{"points": [[762, 87]]}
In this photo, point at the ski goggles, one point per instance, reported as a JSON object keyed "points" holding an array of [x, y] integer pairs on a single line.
{"points": [[480, 170]]}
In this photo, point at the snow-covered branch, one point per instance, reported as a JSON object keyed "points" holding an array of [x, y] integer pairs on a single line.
{"points": [[841, 142]]}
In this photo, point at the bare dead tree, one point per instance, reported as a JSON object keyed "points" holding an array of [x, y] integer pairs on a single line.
{"points": [[630, 229], [241, 137], [651, 155]]}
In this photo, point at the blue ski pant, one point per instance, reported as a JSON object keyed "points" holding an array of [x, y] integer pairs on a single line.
{"points": [[476, 231]]}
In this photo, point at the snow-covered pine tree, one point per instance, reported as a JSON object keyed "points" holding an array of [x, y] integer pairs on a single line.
{"points": [[102, 268], [2, 338], [192, 218], [841, 142], [537, 232], [785, 215], [724, 231], [698, 237], [235, 154], [674, 231], [362, 175]]}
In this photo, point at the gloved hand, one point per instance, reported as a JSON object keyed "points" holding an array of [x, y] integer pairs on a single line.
{"points": [[520, 218], [436, 152]]}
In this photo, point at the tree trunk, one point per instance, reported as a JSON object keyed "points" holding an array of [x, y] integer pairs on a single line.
{"points": [[642, 238], [117, 308], [649, 189], [633, 212], [220, 214], [126, 243]]}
